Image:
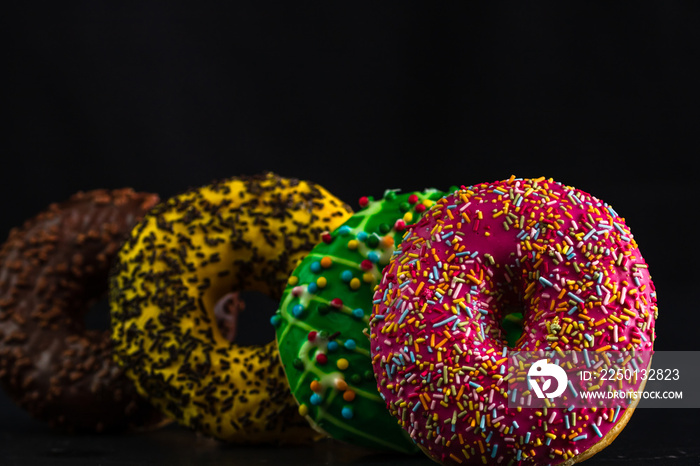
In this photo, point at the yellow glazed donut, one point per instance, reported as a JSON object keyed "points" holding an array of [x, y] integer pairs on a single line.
{"points": [[243, 233]]}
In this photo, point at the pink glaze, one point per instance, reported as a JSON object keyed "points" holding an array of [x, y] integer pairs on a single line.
{"points": [[438, 351]]}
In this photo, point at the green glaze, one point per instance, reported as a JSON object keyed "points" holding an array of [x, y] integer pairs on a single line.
{"points": [[313, 359]]}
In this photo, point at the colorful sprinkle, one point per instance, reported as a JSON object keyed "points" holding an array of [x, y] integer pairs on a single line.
{"points": [[342, 364]]}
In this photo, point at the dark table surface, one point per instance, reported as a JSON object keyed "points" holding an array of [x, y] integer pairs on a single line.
{"points": [[653, 437]]}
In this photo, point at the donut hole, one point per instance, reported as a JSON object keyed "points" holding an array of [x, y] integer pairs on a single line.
{"points": [[244, 317], [512, 326], [96, 317], [512, 308]]}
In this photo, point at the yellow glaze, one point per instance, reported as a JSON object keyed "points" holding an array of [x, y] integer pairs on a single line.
{"points": [[237, 234]]}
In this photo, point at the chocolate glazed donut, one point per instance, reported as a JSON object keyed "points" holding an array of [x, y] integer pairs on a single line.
{"points": [[52, 270]]}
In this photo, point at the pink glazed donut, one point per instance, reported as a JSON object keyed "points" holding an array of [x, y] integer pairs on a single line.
{"points": [[563, 258]]}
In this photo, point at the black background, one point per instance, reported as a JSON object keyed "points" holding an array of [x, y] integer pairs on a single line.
{"points": [[361, 97]]}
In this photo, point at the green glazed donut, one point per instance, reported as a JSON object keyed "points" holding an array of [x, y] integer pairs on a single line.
{"points": [[323, 315]]}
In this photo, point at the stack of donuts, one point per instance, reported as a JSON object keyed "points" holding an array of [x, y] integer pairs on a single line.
{"points": [[393, 331]]}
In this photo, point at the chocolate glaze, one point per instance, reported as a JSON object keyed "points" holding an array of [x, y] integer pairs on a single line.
{"points": [[52, 269]]}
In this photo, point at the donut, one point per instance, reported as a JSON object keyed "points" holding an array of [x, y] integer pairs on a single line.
{"points": [[189, 252], [323, 313], [52, 269], [563, 258]]}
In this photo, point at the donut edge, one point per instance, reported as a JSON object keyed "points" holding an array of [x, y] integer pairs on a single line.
{"points": [[596, 447], [612, 433]]}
